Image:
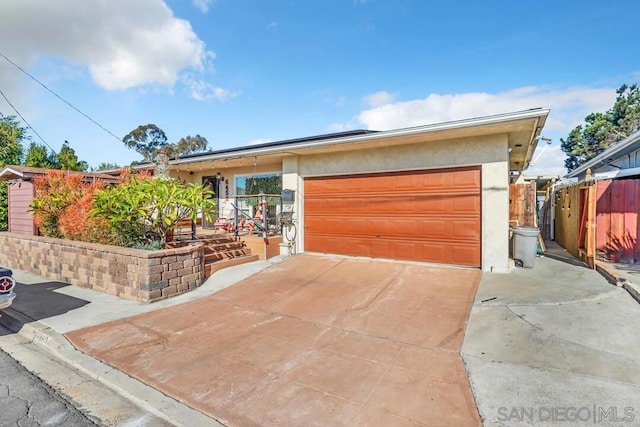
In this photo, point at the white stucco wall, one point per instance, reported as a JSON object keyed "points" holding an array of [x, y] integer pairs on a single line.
{"points": [[488, 151], [495, 216], [435, 154]]}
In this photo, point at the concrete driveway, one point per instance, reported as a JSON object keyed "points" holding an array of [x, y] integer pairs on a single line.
{"points": [[313, 340]]}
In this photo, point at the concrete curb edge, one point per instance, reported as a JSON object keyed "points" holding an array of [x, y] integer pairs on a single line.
{"points": [[56, 344], [613, 277]]}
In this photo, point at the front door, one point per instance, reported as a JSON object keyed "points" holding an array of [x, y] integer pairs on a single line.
{"points": [[214, 184]]}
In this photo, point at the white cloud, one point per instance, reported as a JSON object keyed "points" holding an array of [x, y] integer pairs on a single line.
{"points": [[203, 5], [548, 161], [201, 90], [122, 43], [380, 98], [568, 106], [272, 25]]}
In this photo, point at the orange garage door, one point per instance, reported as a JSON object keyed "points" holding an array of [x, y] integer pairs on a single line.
{"points": [[431, 215]]}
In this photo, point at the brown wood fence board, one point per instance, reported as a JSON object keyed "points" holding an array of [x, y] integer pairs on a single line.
{"points": [[616, 234], [630, 223], [603, 218], [636, 247]]}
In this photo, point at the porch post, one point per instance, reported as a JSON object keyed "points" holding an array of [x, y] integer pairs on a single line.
{"points": [[291, 181]]}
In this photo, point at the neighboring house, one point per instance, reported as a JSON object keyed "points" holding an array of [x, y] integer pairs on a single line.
{"points": [[620, 160], [22, 192], [597, 205], [437, 193]]}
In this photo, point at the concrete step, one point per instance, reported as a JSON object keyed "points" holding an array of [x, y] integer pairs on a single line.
{"points": [[209, 269], [212, 248], [226, 254]]}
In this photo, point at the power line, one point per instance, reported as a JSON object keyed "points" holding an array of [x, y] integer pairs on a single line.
{"points": [[25, 120], [59, 97]]}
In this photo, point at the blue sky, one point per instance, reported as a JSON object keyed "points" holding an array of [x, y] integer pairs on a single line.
{"points": [[241, 72]]}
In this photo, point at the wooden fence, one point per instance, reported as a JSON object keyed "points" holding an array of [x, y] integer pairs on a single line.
{"points": [[617, 219], [600, 220], [522, 204], [575, 212]]}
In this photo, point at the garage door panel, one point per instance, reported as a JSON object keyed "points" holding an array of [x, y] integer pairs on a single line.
{"points": [[418, 215], [408, 227], [363, 185], [393, 204]]}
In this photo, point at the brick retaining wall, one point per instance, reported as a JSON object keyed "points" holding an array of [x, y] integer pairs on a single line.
{"points": [[135, 274]]}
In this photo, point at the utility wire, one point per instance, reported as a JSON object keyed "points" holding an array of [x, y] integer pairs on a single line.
{"points": [[59, 97], [25, 120]]}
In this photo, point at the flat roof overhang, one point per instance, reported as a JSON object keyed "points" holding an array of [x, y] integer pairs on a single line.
{"points": [[522, 129]]}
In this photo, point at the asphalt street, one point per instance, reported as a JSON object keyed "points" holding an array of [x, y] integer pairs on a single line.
{"points": [[25, 400]]}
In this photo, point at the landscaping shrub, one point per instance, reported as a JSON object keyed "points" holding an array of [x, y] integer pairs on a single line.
{"points": [[76, 223], [138, 212], [148, 208], [55, 191]]}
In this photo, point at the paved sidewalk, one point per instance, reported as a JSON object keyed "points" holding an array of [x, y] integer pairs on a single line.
{"points": [[554, 345]]}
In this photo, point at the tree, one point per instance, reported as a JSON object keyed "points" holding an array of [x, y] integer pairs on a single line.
{"points": [[12, 136], [68, 160], [601, 130], [188, 145], [149, 140], [104, 166], [39, 156]]}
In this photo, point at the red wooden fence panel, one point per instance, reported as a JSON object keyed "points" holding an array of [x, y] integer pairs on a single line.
{"points": [[603, 219], [618, 221], [630, 235]]}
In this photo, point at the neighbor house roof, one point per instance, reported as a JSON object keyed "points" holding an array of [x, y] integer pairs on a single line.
{"points": [[26, 173], [523, 128], [617, 150]]}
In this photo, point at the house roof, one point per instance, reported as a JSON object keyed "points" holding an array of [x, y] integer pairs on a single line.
{"points": [[522, 127], [26, 173], [619, 149], [286, 142]]}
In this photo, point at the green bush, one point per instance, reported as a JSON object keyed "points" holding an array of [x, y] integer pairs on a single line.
{"points": [[144, 210]]}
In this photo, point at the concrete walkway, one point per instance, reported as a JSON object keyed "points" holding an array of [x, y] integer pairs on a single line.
{"points": [[554, 345]]}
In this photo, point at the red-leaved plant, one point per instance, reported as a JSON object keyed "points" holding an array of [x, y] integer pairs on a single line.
{"points": [[75, 223], [55, 191]]}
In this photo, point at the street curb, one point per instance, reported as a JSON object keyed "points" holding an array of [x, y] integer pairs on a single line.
{"points": [[615, 278], [140, 394]]}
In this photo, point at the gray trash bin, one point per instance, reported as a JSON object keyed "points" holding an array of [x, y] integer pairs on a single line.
{"points": [[525, 245]]}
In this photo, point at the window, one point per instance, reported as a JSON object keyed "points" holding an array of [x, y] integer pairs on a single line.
{"points": [[269, 183]]}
